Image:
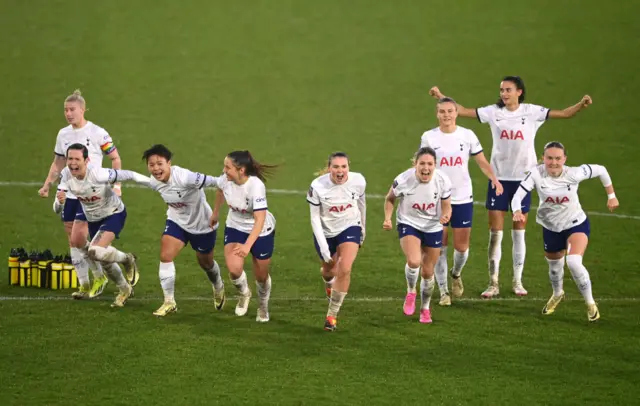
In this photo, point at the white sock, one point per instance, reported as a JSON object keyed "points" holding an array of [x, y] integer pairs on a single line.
{"points": [[95, 266], [426, 291], [264, 292], [441, 271], [459, 260], [519, 251], [411, 275], [581, 277], [556, 274], [241, 284], [109, 254], [79, 261], [114, 273], [167, 276], [495, 254], [335, 303], [214, 276]]}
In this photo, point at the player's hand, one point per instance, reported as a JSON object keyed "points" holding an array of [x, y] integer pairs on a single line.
{"points": [[213, 220], [444, 219], [435, 93], [326, 257], [613, 204], [586, 100], [364, 234], [498, 187], [242, 250], [518, 216], [117, 189], [61, 196], [387, 225], [44, 190]]}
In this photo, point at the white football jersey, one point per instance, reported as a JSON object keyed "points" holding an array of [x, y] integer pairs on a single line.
{"points": [[514, 133], [186, 200], [94, 192], [95, 138], [453, 151], [243, 200], [338, 203], [560, 207], [420, 203]]}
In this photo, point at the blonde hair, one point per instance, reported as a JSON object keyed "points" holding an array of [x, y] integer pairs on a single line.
{"points": [[76, 96]]}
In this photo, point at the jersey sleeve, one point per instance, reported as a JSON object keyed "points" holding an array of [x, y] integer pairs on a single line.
{"points": [[64, 178], [105, 175], [475, 146], [104, 140], [258, 196], [398, 186], [486, 114], [197, 180], [59, 148], [539, 113], [312, 196], [424, 140], [589, 171], [530, 181]]}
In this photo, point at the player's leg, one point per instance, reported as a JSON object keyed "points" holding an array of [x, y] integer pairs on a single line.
{"points": [[577, 245], [430, 251], [410, 242], [555, 258], [171, 243], [327, 271], [80, 243], [235, 264], [461, 222], [103, 233], [498, 207], [519, 249], [261, 252], [442, 268], [204, 244], [77, 248], [347, 253]]}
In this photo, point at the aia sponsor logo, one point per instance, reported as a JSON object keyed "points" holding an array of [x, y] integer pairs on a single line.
{"points": [[339, 209], [557, 200], [511, 135]]}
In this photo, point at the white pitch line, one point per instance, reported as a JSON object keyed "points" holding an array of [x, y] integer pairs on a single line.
{"points": [[302, 192], [314, 299]]}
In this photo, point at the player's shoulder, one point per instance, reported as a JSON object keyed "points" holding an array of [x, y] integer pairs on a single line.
{"points": [[321, 182], [357, 178], [582, 170], [465, 133], [529, 108], [537, 171], [490, 107], [65, 131], [431, 133], [255, 182], [95, 128], [405, 177]]}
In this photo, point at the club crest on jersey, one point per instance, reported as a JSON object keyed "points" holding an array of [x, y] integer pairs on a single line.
{"points": [[461, 146], [511, 135], [338, 209], [523, 120], [557, 199], [450, 161]]}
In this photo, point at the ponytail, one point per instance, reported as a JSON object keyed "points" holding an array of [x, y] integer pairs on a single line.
{"points": [[244, 159]]}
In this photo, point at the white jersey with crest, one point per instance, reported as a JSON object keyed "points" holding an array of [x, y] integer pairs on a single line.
{"points": [[185, 198], [94, 192], [95, 138], [243, 200], [338, 204], [420, 203], [514, 133], [453, 151], [560, 207]]}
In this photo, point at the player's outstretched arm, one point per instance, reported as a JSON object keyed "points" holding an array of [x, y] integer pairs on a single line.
{"points": [[112, 176], [592, 171], [462, 111], [572, 110], [54, 173], [389, 203]]}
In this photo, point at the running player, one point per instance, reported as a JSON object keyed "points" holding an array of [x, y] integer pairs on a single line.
{"points": [[425, 205], [565, 226], [103, 210], [99, 143], [455, 146], [250, 227], [514, 125], [338, 216]]}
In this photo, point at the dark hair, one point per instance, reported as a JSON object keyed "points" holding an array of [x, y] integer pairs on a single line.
{"points": [[243, 159], [159, 150], [555, 144], [516, 80], [423, 151], [447, 100], [78, 147]]}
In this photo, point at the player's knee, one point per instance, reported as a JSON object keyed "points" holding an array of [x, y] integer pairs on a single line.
{"points": [[166, 257], [414, 261], [99, 254], [205, 262]]}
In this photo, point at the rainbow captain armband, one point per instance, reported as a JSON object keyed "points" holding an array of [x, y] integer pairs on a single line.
{"points": [[108, 148]]}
